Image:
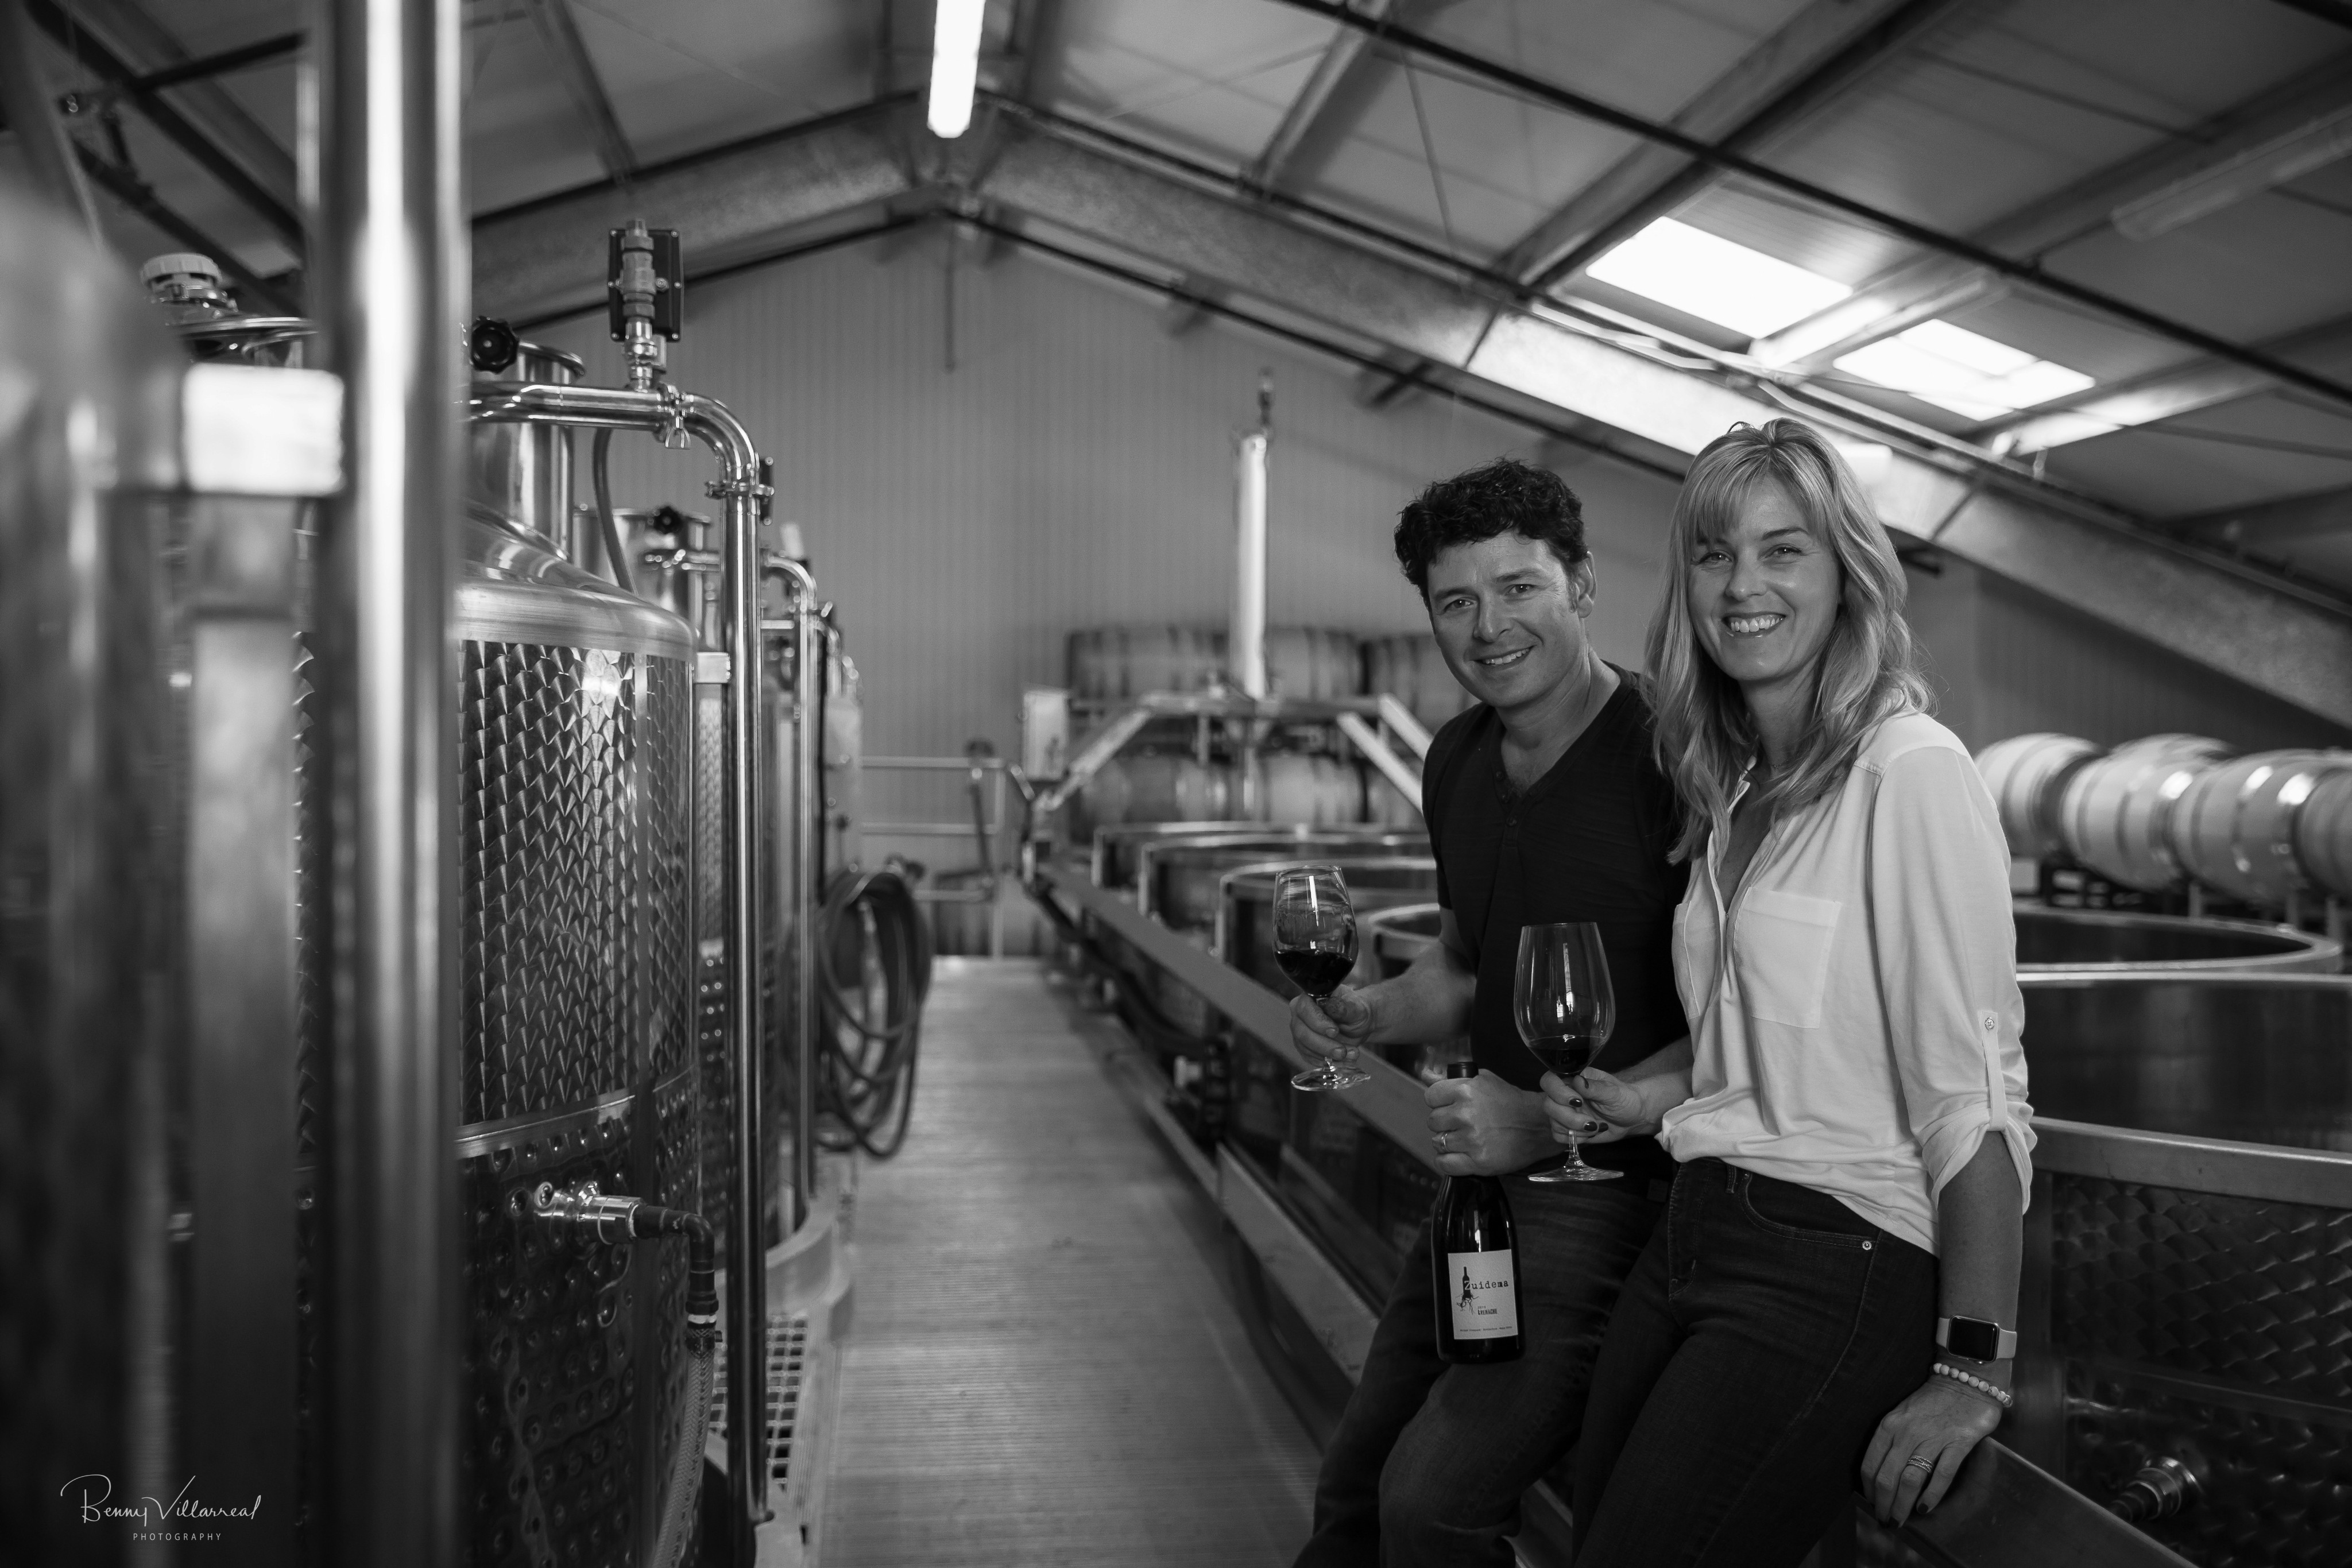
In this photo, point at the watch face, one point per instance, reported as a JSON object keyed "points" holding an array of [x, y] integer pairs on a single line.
{"points": [[1974, 1338]]}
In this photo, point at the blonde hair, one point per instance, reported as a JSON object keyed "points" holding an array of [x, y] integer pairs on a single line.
{"points": [[1868, 673]]}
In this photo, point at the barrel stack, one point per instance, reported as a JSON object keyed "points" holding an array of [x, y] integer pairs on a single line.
{"points": [[2269, 830]]}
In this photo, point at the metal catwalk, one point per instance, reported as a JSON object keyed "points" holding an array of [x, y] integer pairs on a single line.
{"points": [[1045, 1366]]}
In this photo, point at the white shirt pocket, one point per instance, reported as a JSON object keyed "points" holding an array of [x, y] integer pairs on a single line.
{"points": [[1782, 945]]}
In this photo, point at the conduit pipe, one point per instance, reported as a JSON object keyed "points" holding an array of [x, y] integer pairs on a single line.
{"points": [[808, 801], [665, 413], [389, 262], [1245, 635]]}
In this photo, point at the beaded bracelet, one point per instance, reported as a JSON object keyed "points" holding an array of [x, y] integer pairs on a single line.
{"points": [[1973, 1381]]}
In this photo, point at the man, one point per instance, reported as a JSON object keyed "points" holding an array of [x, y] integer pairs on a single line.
{"points": [[1543, 804]]}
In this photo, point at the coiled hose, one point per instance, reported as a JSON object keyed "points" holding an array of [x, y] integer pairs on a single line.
{"points": [[873, 973]]}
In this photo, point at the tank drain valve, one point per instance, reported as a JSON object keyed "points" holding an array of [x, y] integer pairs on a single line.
{"points": [[2159, 1491], [616, 1218]]}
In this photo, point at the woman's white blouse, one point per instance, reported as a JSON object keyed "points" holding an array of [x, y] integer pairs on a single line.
{"points": [[1855, 1021]]}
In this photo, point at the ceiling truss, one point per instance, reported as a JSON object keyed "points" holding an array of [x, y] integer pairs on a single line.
{"points": [[2227, 620], [1822, 53]]}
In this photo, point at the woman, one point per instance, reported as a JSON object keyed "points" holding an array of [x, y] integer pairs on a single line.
{"points": [[1829, 1303]]}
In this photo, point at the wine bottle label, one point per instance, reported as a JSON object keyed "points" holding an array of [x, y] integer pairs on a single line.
{"points": [[1485, 1304]]}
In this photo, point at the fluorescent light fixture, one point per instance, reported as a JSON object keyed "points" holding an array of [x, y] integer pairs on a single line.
{"points": [[1960, 370], [1705, 276], [2232, 179], [955, 65]]}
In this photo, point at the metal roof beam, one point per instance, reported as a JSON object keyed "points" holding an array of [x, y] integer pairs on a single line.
{"points": [[548, 255], [207, 109], [1823, 52], [560, 31], [2080, 210], [2162, 395], [1036, 51], [1308, 117], [2276, 522]]}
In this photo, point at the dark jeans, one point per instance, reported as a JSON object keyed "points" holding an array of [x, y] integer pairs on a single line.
{"points": [[1764, 1333], [1430, 1459]]}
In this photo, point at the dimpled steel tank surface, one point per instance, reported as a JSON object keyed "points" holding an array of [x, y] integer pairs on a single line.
{"points": [[2188, 1291], [575, 821]]}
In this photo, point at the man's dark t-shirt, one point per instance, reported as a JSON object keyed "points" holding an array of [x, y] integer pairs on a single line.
{"points": [[1589, 841]]}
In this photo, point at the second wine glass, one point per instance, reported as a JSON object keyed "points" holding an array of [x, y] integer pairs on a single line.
{"points": [[1565, 1009], [1314, 943]]}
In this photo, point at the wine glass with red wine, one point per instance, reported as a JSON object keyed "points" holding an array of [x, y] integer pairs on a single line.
{"points": [[1314, 943], [1564, 1010]]}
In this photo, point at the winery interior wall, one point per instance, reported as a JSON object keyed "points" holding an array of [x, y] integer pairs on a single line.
{"points": [[1073, 469], [2008, 661]]}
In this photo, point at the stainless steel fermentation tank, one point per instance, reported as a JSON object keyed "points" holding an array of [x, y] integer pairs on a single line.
{"points": [[2188, 1291], [603, 877], [578, 1060], [672, 816]]}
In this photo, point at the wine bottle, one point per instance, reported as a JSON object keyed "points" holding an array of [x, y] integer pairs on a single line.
{"points": [[1474, 1266]]}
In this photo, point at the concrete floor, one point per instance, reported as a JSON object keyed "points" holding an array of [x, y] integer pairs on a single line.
{"points": [[1044, 1365]]}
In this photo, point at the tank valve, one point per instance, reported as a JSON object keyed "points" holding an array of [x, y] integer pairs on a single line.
{"points": [[616, 1219], [491, 345], [644, 286], [2159, 1491]]}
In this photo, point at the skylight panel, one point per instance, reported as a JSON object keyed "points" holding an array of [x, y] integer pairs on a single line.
{"points": [[1705, 276], [1954, 368]]}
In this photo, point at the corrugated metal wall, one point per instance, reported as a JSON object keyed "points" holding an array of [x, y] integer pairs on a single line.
{"points": [[1073, 469]]}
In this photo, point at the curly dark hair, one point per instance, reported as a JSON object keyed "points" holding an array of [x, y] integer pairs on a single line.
{"points": [[1506, 495]]}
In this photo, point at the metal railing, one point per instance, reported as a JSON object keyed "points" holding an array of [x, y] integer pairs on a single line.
{"points": [[986, 827]]}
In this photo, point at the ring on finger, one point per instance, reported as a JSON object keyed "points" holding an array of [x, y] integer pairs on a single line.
{"points": [[1440, 1142], [1918, 1462]]}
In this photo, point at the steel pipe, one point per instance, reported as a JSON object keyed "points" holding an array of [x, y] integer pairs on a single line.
{"points": [[665, 412], [808, 788], [389, 266]]}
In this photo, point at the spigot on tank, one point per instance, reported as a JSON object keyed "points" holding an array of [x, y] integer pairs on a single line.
{"points": [[616, 1219], [644, 298], [2160, 1490]]}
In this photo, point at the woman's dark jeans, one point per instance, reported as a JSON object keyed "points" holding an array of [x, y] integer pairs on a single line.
{"points": [[1765, 1330]]}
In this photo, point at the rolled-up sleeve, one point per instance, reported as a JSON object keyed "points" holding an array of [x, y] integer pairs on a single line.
{"points": [[1946, 946]]}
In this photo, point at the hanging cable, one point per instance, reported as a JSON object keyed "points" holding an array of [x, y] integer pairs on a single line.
{"points": [[873, 973], [604, 519]]}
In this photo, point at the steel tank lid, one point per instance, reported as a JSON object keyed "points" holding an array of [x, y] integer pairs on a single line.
{"points": [[2087, 941], [512, 589]]}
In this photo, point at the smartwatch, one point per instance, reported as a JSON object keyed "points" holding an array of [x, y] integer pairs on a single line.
{"points": [[1976, 1338]]}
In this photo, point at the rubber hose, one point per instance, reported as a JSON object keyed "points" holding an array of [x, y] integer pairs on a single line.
{"points": [[865, 1077], [601, 474], [681, 1502]]}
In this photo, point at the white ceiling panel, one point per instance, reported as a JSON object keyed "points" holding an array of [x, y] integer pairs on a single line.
{"points": [[1209, 78]]}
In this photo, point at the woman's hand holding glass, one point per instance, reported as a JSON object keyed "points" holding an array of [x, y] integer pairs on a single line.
{"points": [[1597, 1107]]}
